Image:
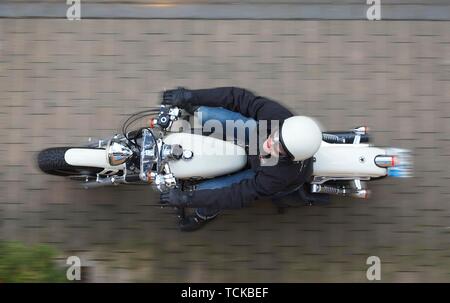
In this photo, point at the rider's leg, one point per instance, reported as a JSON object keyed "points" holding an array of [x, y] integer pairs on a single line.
{"points": [[204, 214], [210, 212]]}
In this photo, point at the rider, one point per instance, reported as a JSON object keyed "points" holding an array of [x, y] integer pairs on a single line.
{"points": [[294, 143]]}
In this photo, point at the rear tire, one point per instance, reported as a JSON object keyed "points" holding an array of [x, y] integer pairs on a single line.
{"points": [[51, 161]]}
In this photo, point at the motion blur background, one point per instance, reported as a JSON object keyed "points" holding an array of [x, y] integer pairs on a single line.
{"points": [[63, 81]]}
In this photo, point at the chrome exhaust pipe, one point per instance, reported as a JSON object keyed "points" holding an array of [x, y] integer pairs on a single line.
{"points": [[361, 194], [340, 191], [100, 182], [95, 184]]}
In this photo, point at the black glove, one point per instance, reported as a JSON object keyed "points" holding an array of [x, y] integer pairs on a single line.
{"points": [[176, 197], [179, 97]]}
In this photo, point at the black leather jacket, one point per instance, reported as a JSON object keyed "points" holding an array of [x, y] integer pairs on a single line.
{"points": [[268, 180]]}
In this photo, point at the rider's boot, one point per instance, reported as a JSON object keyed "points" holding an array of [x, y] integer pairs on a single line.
{"points": [[313, 198], [194, 221]]}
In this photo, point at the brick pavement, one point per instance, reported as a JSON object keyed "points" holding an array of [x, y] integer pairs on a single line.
{"points": [[62, 82]]}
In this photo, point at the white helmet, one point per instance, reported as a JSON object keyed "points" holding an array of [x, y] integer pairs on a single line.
{"points": [[300, 137]]}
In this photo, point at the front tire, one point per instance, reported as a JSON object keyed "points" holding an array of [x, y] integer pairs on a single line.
{"points": [[51, 161]]}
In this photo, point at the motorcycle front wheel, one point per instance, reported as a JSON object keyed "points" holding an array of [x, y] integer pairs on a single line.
{"points": [[51, 161]]}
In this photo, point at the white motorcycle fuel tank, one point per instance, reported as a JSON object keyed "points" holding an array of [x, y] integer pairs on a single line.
{"points": [[211, 157]]}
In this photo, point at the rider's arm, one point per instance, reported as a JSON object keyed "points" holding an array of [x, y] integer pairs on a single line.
{"points": [[240, 100]]}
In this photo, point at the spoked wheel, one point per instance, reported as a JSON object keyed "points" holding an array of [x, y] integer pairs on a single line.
{"points": [[51, 161]]}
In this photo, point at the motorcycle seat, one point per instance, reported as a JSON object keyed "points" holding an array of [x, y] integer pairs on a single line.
{"points": [[343, 137]]}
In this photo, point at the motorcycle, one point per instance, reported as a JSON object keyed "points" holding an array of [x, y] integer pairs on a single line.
{"points": [[165, 158]]}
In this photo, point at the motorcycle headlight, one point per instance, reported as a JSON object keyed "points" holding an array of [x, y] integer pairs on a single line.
{"points": [[117, 152]]}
